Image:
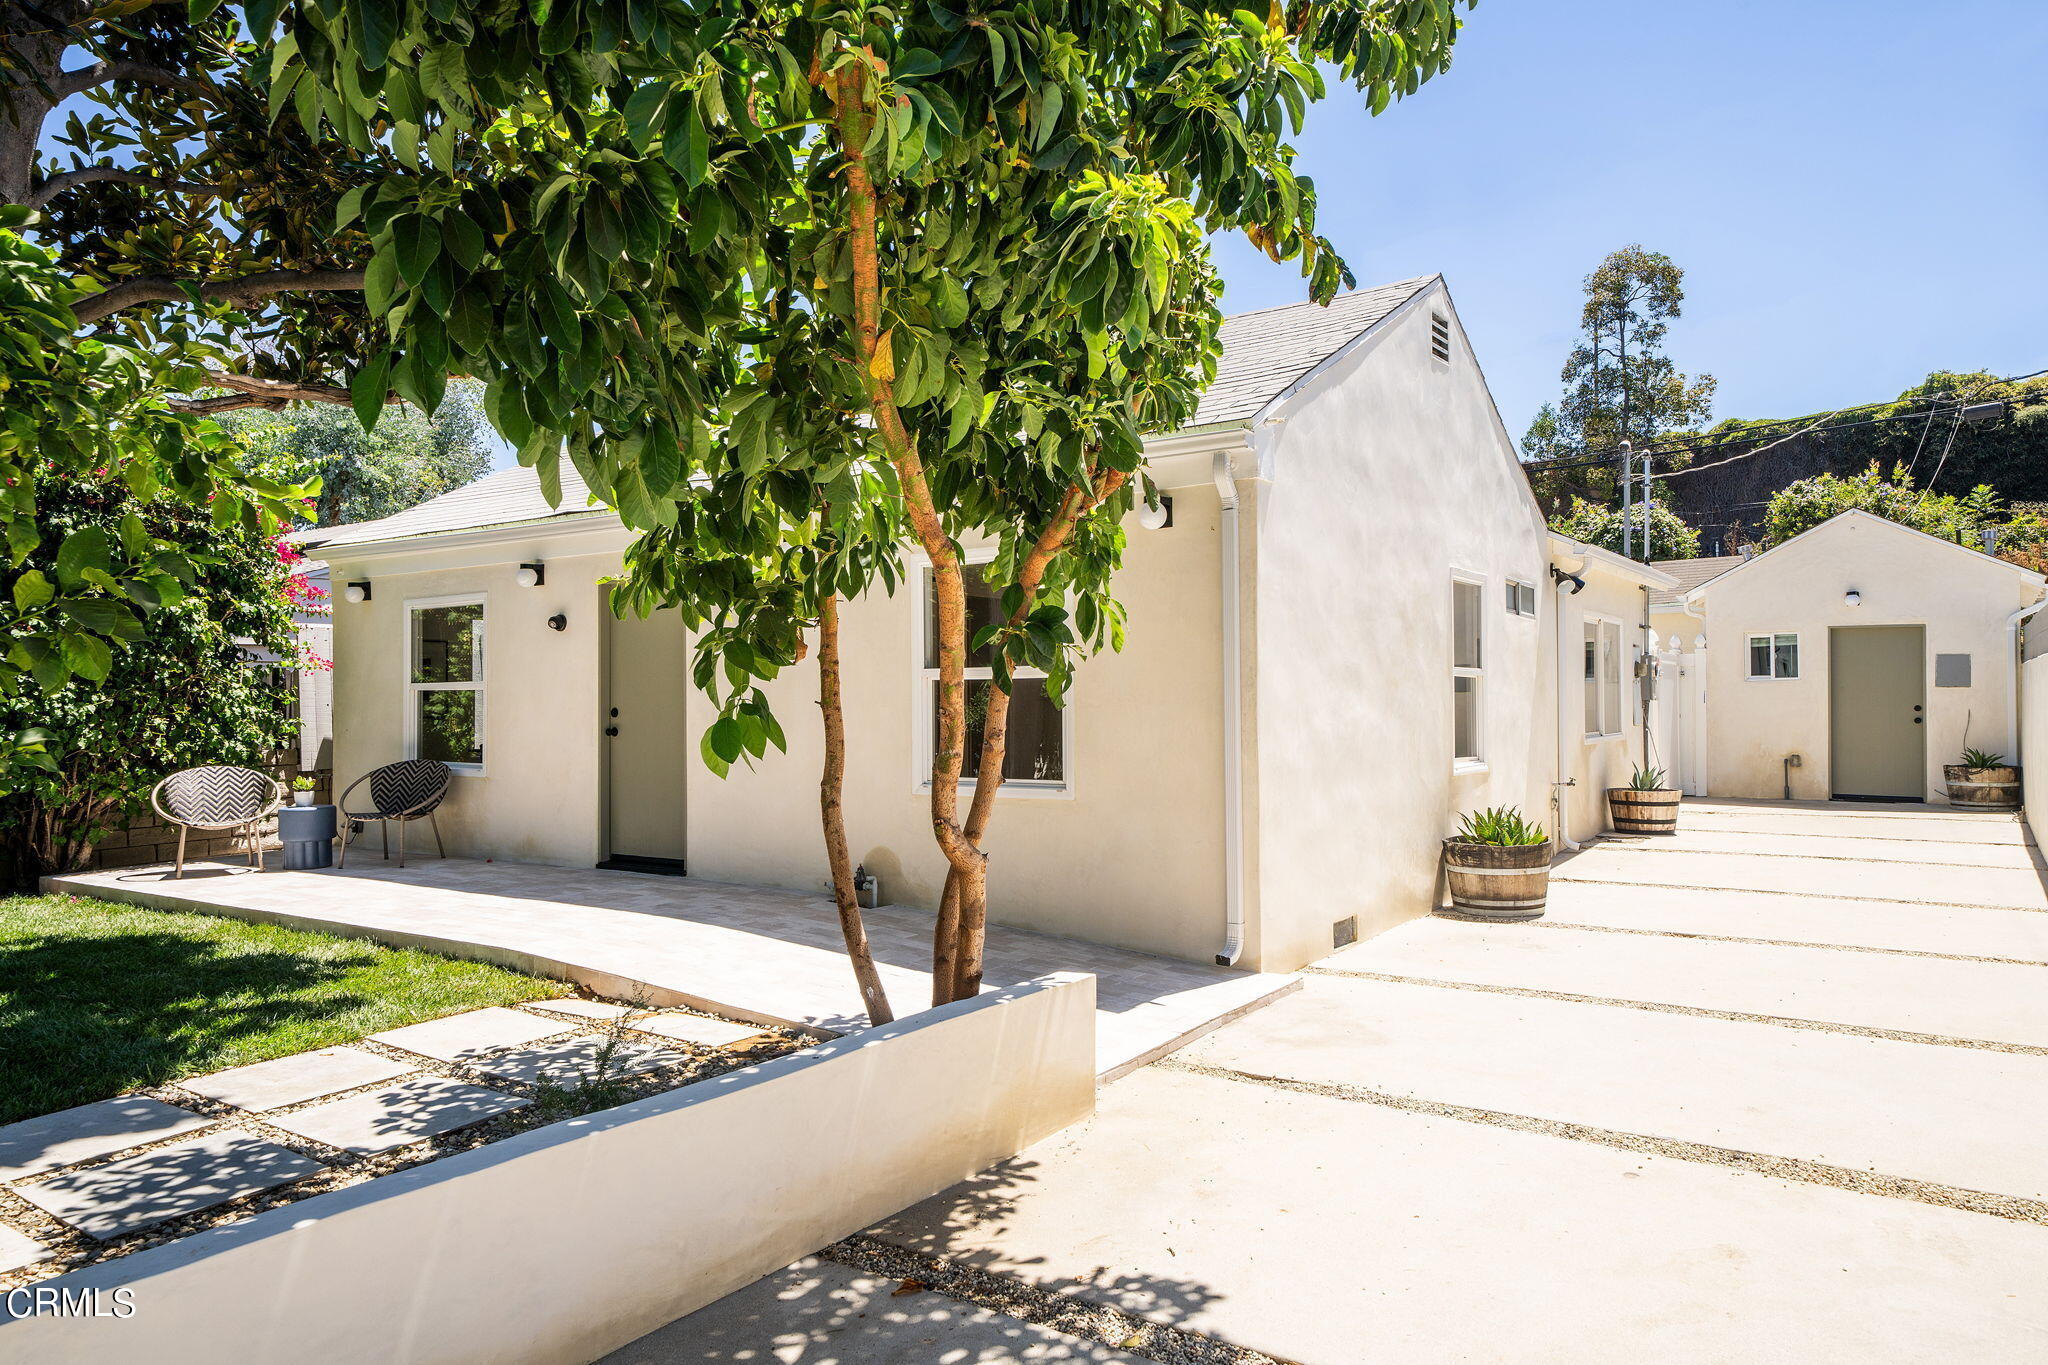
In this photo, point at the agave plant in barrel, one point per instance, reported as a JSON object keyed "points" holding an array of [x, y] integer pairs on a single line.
{"points": [[1982, 781], [1498, 865], [1645, 805]]}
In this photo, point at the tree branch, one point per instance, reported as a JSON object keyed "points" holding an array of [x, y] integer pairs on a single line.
{"points": [[99, 73], [165, 289], [246, 391], [71, 180]]}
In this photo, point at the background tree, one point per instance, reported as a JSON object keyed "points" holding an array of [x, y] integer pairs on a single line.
{"points": [[181, 692], [1805, 504], [1619, 384], [408, 458], [1593, 524]]}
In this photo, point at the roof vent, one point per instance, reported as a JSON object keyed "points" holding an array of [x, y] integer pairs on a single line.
{"points": [[1440, 337]]}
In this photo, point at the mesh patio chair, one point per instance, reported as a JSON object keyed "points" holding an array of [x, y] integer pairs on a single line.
{"points": [[401, 792], [219, 798]]}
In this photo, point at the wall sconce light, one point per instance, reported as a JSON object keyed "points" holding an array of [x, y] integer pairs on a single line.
{"points": [[531, 575], [357, 591], [1156, 518], [558, 622], [1852, 598]]}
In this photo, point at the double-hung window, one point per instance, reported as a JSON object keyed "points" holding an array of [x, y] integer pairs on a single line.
{"points": [[444, 681], [1773, 656], [1602, 687], [1468, 677], [1035, 756]]}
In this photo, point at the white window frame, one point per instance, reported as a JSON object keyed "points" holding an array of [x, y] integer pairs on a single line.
{"points": [[924, 683], [476, 685], [1771, 639], [1535, 602], [1475, 763], [1605, 688]]}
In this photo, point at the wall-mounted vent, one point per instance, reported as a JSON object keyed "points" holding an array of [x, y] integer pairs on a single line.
{"points": [[1440, 337], [1344, 932]]}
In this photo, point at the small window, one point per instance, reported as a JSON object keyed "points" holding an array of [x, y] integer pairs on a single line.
{"points": [[1440, 337], [1035, 754], [444, 683], [1602, 678], [1521, 598], [1468, 643], [1773, 656]]}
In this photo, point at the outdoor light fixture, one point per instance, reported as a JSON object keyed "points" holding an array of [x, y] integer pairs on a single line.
{"points": [[358, 591], [1852, 598], [558, 622], [1156, 518], [531, 575]]}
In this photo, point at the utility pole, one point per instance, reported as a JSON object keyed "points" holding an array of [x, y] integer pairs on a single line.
{"points": [[1627, 483], [1648, 553]]}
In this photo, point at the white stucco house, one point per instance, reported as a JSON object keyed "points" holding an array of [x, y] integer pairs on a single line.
{"points": [[1349, 633], [1852, 661]]}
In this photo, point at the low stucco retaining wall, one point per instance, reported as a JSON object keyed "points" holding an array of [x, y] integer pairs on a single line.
{"points": [[569, 1241], [2033, 755]]}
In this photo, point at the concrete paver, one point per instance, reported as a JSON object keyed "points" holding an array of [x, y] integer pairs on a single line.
{"points": [[1978, 1000], [1321, 1230], [1967, 931], [2015, 888], [817, 1311], [379, 1120], [692, 1028], [574, 1062], [601, 1010], [90, 1130], [291, 1080], [166, 1182], [17, 1250], [465, 1037], [1918, 852], [1830, 1097]]}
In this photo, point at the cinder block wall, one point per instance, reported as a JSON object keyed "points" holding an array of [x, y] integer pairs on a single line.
{"points": [[147, 840]]}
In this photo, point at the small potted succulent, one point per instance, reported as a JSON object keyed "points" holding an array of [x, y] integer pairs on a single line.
{"points": [[1645, 805], [1982, 782], [1498, 865], [302, 790]]}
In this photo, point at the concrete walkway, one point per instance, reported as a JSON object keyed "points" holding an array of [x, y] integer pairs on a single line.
{"points": [[1771, 1090], [746, 952]]}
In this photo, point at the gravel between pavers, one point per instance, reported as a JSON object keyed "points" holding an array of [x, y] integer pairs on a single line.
{"points": [[73, 1250], [1077, 1317]]}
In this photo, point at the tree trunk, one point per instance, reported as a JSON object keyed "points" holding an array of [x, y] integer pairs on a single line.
{"points": [[34, 55], [830, 789], [877, 370]]}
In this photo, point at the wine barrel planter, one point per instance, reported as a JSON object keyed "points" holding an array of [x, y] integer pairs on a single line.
{"points": [[1982, 788], [1497, 881], [1635, 811]]}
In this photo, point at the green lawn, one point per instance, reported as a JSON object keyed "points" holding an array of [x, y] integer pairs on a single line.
{"points": [[98, 998]]}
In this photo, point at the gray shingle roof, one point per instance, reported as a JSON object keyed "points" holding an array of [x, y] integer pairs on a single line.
{"points": [[500, 498], [1690, 573], [1265, 351]]}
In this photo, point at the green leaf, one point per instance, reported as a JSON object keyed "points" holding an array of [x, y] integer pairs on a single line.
{"points": [[32, 590], [102, 615], [418, 242], [369, 390], [643, 113], [725, 739], [463, 239], [22, 538], [83, 549], [88, 656], [381, 282]]}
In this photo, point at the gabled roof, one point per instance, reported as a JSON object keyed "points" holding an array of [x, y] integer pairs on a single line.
{"points": [[1690, 574], [1894, 527], [1266, 351], [501, 498]]}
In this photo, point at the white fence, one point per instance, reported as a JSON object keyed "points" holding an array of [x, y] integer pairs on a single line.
{"points": [[1678, 715], [568, 1241]]}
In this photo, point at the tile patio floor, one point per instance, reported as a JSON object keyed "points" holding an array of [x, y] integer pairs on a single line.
{"points": [[746, 952]]}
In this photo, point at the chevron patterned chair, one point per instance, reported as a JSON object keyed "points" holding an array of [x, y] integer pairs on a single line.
{"points": [[402, 792], [219, 798]]}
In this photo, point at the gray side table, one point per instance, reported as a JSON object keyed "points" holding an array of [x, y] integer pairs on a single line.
{"points": [[307, 833]]}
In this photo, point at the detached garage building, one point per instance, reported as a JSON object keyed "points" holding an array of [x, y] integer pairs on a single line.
{"points": [[1870, 652]]}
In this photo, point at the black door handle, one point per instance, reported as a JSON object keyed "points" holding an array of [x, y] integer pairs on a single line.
{"points": [[1916, 721], [611, 731]]}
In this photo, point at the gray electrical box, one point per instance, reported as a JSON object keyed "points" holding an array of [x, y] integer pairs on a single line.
{"points": [[1951, 670]]}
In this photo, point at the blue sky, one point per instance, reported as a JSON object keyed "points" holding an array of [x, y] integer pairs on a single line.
{"points": [[1857, 191]]}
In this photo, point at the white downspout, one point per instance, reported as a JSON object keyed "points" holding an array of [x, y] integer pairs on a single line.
{"points": [[1233, 725], [1564, 813], [2012, 663]]}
